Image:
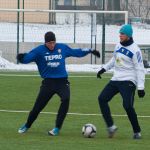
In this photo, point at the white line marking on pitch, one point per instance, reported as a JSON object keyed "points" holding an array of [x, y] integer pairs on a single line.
{"points": [[28, 75], [70, 76], [77, 114], [19, 75]]}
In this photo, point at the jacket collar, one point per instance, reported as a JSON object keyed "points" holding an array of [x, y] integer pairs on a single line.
{"points": [[127, 43]]}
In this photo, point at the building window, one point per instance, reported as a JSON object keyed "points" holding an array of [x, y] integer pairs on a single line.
{"points": [[68, 2]]}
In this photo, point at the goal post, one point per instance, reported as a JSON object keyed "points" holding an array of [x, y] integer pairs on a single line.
{"points": [[78, 28], [67, 11]]}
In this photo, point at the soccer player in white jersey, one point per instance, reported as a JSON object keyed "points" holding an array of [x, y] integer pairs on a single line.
{"points": [[127, 76]]}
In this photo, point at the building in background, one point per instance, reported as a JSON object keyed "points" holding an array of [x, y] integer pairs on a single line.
{"points": [[136, 8]]}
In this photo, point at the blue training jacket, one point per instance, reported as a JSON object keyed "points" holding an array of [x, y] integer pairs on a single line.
{"points": [[51, 64]]}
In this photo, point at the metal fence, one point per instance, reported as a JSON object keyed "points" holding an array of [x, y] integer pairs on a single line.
{"points": [[78, 28]]}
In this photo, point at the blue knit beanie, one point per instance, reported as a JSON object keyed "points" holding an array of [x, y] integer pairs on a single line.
{"points": [[127, 30]]}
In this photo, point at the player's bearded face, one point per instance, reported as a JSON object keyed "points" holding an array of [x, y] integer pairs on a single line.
{"points": [[51, 45], [123, 38]]}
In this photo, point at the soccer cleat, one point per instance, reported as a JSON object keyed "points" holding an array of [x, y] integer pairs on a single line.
{"points": [[53, 132], [111, 131], [137, 135], [23, 129]]}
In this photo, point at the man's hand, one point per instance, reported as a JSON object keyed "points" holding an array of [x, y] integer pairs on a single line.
{"points": [[20, 57], [141, 93], [100, 72], [96, 53]]}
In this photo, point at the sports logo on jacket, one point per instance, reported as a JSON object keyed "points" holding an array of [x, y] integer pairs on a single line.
{"points": [[59, 50], [119, 61], [125, 52]]}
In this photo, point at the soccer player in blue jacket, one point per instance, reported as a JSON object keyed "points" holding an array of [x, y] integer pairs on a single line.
{"points": [[50, 59]]}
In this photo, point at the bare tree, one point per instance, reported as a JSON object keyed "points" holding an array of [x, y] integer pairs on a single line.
{"points": [[147, 10], [139, 8], [136, 8]]}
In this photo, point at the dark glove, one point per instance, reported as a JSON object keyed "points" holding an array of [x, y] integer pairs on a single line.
{"points": [[100, 72], [96, 53], [20, 57], [141, 93]]}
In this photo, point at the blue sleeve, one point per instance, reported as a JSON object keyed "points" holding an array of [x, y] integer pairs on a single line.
{"points": [[76, 52], [30, 57]]}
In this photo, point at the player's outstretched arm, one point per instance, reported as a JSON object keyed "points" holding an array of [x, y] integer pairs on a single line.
{"points": [[80, 52], [26, 58]]}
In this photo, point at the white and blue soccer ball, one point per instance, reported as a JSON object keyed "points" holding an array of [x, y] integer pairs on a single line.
{"points": [[89, 130]]}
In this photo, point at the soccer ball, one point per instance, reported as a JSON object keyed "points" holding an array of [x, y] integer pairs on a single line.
{"points": [[89, 130]]}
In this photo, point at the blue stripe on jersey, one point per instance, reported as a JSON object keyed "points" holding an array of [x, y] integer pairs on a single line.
{"points": [[139, 57], [125, 51]]}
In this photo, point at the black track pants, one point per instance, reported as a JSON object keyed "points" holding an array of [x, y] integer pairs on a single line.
{"points": [[48, 88], [127, 91]]}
